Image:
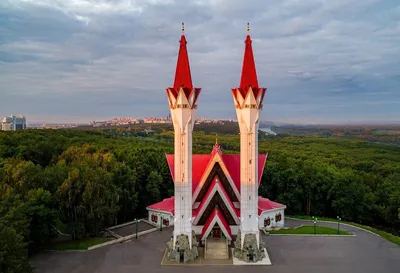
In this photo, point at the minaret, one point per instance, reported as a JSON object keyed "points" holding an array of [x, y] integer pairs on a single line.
{"points": [[248, 100], [183, 103]]}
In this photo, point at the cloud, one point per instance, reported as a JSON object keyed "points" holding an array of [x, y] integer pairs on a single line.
{"points": [[328, 60]]}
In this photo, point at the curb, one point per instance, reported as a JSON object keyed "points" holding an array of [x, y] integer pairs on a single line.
{"points": [[336, 223], [124, 224], [63, 251], [314, 235], [122, 239]]}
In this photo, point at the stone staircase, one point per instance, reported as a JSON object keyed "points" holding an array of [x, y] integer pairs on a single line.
{"points": [[216, 249]]}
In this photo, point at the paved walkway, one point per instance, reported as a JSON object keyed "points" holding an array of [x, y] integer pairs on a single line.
{"points": [[363, 253], [131, 229]]}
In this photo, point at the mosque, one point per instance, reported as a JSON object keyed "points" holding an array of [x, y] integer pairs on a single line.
{"points": [[216, 195]]}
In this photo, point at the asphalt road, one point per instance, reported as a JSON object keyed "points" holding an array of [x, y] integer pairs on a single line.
{"points": [[363, 253]]}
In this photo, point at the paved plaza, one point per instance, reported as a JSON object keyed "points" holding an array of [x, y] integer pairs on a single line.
{"points": [[362, 253]]}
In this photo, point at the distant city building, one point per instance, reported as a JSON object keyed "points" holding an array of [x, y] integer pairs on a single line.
{"points": [[156, 120], [13, 123], [124, 120]]}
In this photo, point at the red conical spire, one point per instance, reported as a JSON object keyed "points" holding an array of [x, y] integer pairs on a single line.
{"points": [[183, 78], [249, 74], [182, 74], [249, 79]]}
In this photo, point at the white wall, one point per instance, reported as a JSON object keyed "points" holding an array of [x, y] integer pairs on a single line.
{"points": [[165, 216], [197, 229], [272, 216], [234, 229]]}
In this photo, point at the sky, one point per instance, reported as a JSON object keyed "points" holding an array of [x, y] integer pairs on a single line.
{"points": [[322, 61]]}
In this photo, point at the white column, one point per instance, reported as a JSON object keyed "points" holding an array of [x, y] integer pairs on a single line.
{"points": [[183, 119], [248, 116]]}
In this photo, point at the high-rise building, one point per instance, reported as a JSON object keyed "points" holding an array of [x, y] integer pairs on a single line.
{"points": [[13, 123]]}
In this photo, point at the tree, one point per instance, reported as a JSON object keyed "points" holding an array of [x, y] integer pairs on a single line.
{"points": [[42, 215], [13, 252], [154, 182]]}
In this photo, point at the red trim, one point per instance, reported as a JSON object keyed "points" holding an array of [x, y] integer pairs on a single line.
{"points": [[216, 150], [208, 195], [200, 163], [216, 214]]}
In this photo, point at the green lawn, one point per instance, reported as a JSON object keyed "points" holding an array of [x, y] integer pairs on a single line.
{"points": [[388, 236], [310, 230], [81, 244]]}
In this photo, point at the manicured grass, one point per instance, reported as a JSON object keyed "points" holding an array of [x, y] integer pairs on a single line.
{"points": [[310, 230], [388, 236], [304, 217], [80, 244]]}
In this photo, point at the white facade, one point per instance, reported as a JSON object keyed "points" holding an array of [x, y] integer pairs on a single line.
{"points": [[13, 123], [267, 220], [272, 219], [158, 217]]}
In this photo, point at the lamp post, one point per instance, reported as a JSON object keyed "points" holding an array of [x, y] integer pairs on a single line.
{"points": [[160, 216], [137, 227], [338, 221], [315, 225]]}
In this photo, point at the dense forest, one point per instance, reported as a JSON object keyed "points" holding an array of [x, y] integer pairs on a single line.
{"points": [[385, 134], [79, 182]]}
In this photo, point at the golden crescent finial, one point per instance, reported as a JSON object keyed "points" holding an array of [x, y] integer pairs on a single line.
{"points": [[183, 27]]}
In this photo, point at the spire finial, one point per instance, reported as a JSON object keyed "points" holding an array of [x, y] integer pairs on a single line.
{"points": [[183, 27], [248, 28], [216, 139]]}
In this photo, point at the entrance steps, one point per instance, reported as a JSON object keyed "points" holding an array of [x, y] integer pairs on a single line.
{"points": [[216, 249]]}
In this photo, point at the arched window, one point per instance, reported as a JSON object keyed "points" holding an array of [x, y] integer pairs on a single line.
{"points": [[166, 222], [267, 222]]}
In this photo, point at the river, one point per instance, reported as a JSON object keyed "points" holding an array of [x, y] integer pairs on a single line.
{"points": [[268, 130]]}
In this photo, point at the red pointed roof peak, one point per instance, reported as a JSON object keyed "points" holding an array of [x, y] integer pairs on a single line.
{"points": [[249, 74], [183, 77], [216, 147]]}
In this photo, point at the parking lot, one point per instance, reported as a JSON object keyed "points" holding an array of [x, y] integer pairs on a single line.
{"points": [[362, 253]]}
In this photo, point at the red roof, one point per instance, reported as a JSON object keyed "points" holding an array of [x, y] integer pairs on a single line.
{"points": [[199, 162], [166, 205], [231, 161], [220, 215], [266, 204]]}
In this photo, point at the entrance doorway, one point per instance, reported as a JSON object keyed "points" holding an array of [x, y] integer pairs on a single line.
{"points": [[216, 232]]}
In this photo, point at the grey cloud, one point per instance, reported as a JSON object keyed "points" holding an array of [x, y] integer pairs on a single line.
{"points": [[310, 54]]}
